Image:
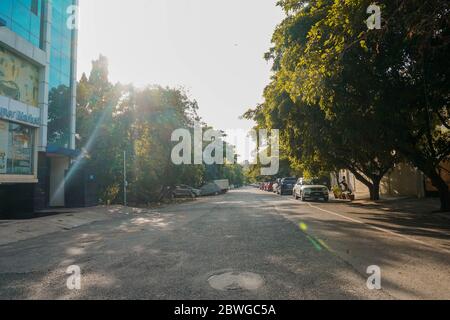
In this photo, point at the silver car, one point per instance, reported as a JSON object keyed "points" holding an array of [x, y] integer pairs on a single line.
{"points": [[305, 189], [184, 191]]}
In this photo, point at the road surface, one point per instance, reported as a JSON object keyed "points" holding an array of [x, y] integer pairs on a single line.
{"points": [[247, 244]]}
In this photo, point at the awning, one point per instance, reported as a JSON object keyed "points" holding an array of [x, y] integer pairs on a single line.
{"points": [[62, 151]]}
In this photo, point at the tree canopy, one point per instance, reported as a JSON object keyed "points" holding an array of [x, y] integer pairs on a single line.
{"points": [[113, 118], [359, 99]]}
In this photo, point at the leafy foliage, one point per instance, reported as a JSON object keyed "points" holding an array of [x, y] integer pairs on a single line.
{"points": [[349, 97], [116, 118]]}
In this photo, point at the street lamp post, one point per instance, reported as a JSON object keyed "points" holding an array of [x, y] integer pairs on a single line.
{"points": [[125, 183]]}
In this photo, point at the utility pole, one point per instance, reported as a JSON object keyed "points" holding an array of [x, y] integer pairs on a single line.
{"points": [[125, 183]]}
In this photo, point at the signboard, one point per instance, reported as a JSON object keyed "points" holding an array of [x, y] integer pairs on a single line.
{"points": [[19, 116]]}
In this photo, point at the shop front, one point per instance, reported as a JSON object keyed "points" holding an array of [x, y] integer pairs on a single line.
{"points": [[17, 153], [19, 118], [20, 122], [18, 172]]}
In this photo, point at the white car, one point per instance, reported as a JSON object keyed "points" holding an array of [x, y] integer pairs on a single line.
{"points": [[307, 190]]}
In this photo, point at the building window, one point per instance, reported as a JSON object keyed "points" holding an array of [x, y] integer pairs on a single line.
{"points": [[24, 17], [61, 60], [16, 148], [35, 7]]}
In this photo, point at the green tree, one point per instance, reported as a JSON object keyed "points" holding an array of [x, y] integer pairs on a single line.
{"points": [[234, 173], [381, 92], [160, 111], [102, 129], [399, 71], [113, 118], [58, 116]]}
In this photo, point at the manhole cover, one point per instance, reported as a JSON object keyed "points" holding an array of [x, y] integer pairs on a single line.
{"points": [[231, 281]]}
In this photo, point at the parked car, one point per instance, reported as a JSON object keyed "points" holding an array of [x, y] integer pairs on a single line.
{"points": [[183, 191], [210, 189], [223, 184], [306, 190], [269, 186], [195, 191], [286, 186]]}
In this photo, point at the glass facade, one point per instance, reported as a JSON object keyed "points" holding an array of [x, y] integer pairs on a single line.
{"points": [[16, 148], [24, 18], [60, 75], [19, 79]]}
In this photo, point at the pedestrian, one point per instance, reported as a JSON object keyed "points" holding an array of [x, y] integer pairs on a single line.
{"points": [[345, 185]]}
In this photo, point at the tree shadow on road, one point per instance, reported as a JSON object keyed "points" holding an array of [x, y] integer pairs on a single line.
{"points": [[406, 217]]}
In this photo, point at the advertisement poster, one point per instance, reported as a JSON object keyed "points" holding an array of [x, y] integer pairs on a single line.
{"points": [[19, 79], [21, 150], [3, 146]]}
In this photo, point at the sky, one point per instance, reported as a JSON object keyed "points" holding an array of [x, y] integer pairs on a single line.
{"points": [[212, 48]]}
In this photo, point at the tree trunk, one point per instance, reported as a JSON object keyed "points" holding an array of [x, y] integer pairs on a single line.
{"points": [[375, 190], [443, 190], [362, 179], [444, 195], [373, 184]]}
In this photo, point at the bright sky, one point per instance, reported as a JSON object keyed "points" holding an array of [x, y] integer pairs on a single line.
{"points": [[213, 48]]}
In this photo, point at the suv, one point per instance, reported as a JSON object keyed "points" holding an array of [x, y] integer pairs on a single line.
{"points": [[306, 189], [286, 185]]}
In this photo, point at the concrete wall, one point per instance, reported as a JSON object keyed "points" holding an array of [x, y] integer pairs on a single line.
{"points": [[402, 181], [445, 174]]}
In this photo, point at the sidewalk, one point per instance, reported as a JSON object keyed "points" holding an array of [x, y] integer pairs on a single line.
{"points": [[428, 206], [365, 196], [57, 220], [411, 217]]}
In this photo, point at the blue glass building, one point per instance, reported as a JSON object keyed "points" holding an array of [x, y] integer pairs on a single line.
{"points": [[38, 42], [24, 18], [61, 61]]}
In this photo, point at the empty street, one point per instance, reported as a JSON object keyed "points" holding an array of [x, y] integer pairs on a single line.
{"points": [[246, 244]]}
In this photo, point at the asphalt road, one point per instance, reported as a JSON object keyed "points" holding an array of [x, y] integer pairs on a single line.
{"points": [[246, 244]]}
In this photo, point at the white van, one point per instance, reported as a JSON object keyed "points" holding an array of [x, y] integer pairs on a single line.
{"points": [[224, 185]]}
